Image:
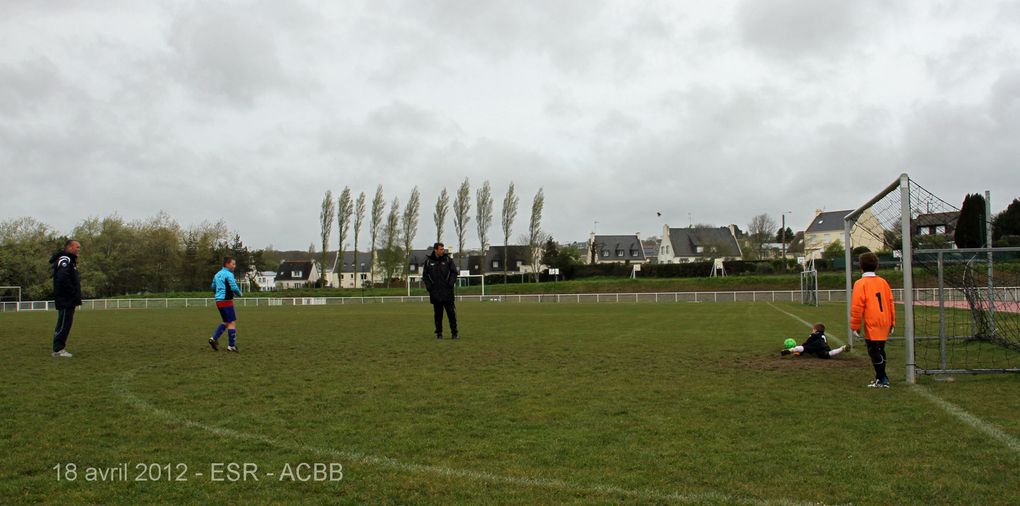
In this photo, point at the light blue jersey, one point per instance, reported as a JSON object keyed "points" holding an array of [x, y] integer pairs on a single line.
{"points": [[220, 284]]}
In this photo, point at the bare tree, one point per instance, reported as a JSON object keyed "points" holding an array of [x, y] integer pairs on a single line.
{"points": [[378, 208], [535, 236], [510, 202], [439, 216], [326, 220], [759, 231], [410, 224], [359, 218], [345, 208], [462, 216], [483, 217], [392, 256]]}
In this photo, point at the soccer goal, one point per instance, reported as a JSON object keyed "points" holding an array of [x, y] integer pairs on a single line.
{"points": [[10, 298], [809, 284], [958, 308], [463, 279]]}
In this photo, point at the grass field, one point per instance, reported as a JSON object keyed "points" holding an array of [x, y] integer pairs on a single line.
{"points": [[537, 403]]}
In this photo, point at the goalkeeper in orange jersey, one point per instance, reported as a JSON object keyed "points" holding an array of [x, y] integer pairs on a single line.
{"points": [[872, 310]]}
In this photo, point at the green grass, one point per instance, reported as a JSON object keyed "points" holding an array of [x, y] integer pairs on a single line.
{"points": [[537, 403]]}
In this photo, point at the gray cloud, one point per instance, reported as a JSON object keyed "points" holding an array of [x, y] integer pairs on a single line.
{"points": [[618, 110]]}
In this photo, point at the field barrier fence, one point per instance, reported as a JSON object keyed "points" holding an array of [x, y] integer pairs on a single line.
{"points": [[920, 294]]}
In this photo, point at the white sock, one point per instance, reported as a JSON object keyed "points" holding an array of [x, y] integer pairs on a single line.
{"points": [[797, 349], [837, 351]]}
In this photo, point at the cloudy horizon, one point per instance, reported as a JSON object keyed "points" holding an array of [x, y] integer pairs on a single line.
{"points": [[708, 113]]}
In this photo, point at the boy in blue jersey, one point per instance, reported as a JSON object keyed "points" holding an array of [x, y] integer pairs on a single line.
{"points": [[226, 287]]}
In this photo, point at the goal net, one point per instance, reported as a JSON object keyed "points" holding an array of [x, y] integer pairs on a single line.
{"points": [[10, 298], [957, 308], [809, 284]]}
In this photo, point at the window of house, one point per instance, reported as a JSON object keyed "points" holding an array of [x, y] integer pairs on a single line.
{"points": [[495, 264], [619, 252], [605, 253], [940, 229], [701, 249], [364, 277], [295, 274], [633, 253], [413, 267], [519, 263]]}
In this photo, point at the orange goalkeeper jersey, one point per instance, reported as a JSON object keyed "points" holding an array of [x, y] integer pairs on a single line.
{"points": [[872, 307]]}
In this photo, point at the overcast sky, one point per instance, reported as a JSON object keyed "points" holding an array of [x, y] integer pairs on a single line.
{"points": [[249, 111]]}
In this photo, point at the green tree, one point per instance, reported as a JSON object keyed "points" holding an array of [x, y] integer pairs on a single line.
{"points": [[393, 259], [326, 216], [550, 252], [359, 218], [462, 217], [535, 234], [782, 235], [344, 210], [160, 243], [510, 202], [483, 218], [410, 226], [970, 228], [439, 216], [26, 246], [375, 223], [834, 250], [1007, 222]]}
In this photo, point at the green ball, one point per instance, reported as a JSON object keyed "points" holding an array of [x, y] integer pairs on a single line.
{"points": [[789, 343]]}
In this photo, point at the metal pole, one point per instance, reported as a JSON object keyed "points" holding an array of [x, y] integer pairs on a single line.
{"points": [[848, 257], [908, 275], [988, 244], [942, 315], [782, 232]]}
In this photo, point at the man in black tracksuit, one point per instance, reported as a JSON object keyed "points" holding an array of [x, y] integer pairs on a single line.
{"points": [[440, 276], [66, 293]]}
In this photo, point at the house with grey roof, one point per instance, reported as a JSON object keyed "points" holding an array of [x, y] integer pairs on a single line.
{"points": [[827, 227], [296, 274], [698, 244], [344, 276], [936, 223], [615, 249], [518, 260]]}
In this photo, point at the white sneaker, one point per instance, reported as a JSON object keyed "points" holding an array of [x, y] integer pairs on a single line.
{"points": [[873, 384], [62, 353]]}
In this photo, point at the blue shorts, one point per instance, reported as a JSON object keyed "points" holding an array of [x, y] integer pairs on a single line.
{"points": [[227, 313]]}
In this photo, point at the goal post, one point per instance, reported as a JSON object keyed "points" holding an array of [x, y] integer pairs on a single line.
{"points": [[10, 298], [959, 315], [809, 284], [865, 221]]}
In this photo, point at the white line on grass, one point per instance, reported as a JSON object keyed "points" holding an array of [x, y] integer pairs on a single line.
{"points": [[805, 322], [121, 386], [975, 423]]}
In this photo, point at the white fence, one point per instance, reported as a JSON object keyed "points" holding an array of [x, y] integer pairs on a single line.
{"points": [[920, 294]]}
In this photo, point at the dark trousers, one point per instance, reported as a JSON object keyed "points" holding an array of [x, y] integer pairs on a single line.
{"points": [[876, 350], [451, 314], [65, 318]]}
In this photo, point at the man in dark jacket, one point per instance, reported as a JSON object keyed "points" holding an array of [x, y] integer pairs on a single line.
{"points": [[66, 293], [440, 276]]}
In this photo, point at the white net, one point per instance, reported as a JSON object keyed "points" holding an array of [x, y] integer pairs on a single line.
{"points": [[960, 311]]}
